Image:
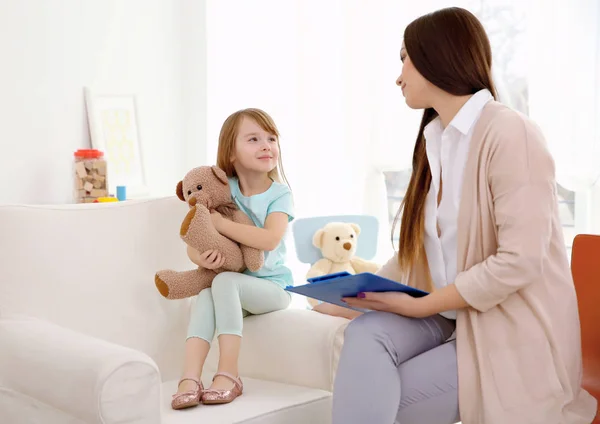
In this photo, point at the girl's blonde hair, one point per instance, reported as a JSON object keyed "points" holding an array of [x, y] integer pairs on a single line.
{"points": [[228, 135]]}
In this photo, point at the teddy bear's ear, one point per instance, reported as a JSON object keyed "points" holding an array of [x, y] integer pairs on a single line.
{"points": [[220, 174], [356, 228], [179, 190], [318, 238]]}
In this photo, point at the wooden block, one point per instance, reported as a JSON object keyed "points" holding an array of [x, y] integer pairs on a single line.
{"points": [[80, 169], [100, 166], [88, 186], [89, 164], [79, 184], [98, 184], [88, 199], [99, 192]]}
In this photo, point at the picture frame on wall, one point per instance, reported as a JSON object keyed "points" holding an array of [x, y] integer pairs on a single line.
{"points": [[113, 123]]}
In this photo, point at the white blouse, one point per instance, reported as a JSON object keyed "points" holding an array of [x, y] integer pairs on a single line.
{"points": [[447, 151]]}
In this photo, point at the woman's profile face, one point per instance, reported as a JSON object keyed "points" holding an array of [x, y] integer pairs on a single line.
{"points": [[415, 88]]}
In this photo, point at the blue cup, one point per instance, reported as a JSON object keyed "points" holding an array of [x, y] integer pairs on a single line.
{"points": [[121, 193]]}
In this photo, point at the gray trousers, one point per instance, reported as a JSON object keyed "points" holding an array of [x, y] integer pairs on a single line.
{"points": [[397, 370]]}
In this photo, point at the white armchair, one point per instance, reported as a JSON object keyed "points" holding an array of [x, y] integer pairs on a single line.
{"points": [[86, 338]]}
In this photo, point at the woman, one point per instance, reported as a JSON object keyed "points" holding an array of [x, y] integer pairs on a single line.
{"points": [[480, 230]]}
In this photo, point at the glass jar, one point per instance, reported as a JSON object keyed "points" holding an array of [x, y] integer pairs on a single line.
{"points": [[90, 179]]}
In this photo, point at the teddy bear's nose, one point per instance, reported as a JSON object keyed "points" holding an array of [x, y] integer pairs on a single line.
{"points": [[347, 246], [192, 201]]}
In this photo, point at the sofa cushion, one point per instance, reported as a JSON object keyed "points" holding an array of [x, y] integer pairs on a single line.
{"points": [[262, 402]]}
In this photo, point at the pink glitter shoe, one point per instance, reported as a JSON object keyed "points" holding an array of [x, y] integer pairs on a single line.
{"points": [[189, 398], [217, 396]]}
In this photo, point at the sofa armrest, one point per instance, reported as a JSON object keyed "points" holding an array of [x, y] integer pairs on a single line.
{"points": [[91, 380], [292, 346]]}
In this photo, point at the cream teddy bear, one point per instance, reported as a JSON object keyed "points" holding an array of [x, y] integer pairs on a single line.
{"points": [[338, 242]]}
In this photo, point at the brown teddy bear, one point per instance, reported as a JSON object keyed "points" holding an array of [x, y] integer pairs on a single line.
{"points": [[206, 189]]}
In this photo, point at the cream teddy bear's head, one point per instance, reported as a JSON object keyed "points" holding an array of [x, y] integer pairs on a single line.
{"points": [[337, 241]]}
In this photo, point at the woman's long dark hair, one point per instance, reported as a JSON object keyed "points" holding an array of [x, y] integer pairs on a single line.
{"points": [[451, 50]]}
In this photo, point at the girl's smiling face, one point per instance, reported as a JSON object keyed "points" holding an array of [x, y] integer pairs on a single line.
{"points": [[256, 150]]}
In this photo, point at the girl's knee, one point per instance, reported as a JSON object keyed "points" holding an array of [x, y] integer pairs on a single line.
{"points": [[224, 281], [205, 293]]}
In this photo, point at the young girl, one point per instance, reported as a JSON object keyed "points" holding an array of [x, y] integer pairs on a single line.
{"points": [[249, 154], [480, 222]]}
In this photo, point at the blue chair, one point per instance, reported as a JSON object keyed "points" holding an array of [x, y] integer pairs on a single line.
{"points": [[303, 230]]}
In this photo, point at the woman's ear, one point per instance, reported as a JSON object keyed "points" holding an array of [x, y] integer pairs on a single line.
{"points": [[318, 238], [179, 190]]}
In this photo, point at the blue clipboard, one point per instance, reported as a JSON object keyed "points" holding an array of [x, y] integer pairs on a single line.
{"points": [[332, 288]]}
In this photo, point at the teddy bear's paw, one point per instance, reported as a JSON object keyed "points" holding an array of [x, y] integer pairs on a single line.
{"points": [[161, 285], [185, 225], [179, 285], [196, 227], [253, 258], [197, 217]]}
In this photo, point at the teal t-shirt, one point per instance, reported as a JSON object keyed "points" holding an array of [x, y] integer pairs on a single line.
{"points": [[278, 198]]}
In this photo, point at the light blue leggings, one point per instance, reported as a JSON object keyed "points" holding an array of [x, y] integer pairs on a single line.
{"points": [[233, 296]]}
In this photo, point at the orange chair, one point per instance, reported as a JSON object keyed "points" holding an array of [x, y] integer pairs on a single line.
{"points": [[585, 267]]}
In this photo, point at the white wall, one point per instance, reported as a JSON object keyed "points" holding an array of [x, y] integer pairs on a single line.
{"points": [[193, 40], [50, 50]]}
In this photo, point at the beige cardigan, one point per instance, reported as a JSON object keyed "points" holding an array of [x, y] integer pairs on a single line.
{"points": [[518, 345]]}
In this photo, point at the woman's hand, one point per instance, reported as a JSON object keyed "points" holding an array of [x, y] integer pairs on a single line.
{"points": [[211, 259], [395, 302]]}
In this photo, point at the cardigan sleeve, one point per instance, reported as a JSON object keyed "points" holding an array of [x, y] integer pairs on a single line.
{"points": [[391, 269], [523, 191]]}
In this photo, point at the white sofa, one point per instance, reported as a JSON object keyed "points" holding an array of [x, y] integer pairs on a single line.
{"points": [[86, 338]]}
